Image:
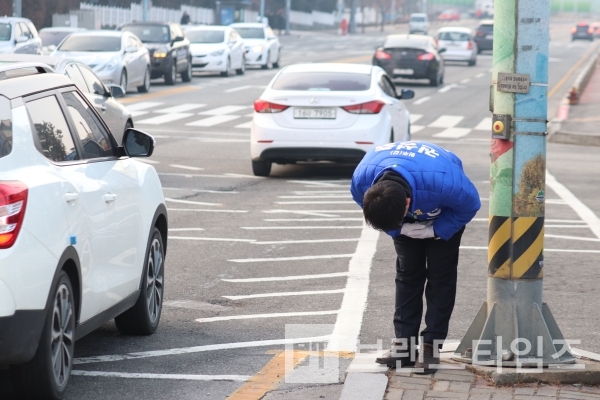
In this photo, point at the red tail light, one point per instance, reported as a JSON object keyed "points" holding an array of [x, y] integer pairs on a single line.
{"points": [[573, 30], [590, 31], [469, 45], [13, 201], [261, 106], [582, 24], [372, 107], [382, 55], [426, 57]]}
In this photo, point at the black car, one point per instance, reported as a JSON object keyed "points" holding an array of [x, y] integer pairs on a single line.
{"points": [[484, 35], [582, 30], [411, 57], [169, 49]]}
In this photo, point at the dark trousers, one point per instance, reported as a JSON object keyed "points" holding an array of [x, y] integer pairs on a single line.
{"points": [[421, 260]]}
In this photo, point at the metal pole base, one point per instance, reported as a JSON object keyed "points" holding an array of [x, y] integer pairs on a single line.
{"points": [[514, 328]]}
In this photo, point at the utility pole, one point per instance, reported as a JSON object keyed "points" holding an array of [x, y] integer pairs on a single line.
{"points": [[352, 27], [288, 9], [514, 328], [17, 8], [144, 10], [393, 12], [262, 11]]}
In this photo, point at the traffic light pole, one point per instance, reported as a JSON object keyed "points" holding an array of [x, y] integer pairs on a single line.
{"points": [[514, 328]]}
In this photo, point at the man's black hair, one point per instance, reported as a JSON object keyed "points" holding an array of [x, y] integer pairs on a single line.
{"points": [[384, 204]]}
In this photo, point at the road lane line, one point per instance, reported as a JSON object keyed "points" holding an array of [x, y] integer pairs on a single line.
{"points": [[180, 108], [349, 321], [416, 128], [197, 349], [205, 239], [584, 212], [583, 239], [447, 88], [284, 294], [201, 210], [186, 167], [311, 219], [185, 229], [306, 241], [179, 377], [164, 118], [316, 202], [206, 175], [479, 75], [415, 117], [446, 121], [302, 192], [287, 278], [199, 203], [545, 250], [224, 110], [144, 105], [203, 190], [454, 133], [421, 100], [280, 211], [237, 89], [272, 315], [467, 80], [298, 227], [245, 125], [214, 120], [136, 114], [300, 258], [323, 196], [230, 174]]}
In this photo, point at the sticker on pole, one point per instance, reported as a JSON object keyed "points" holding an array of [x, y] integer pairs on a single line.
{"points": [[540, 196], [513, 83]]}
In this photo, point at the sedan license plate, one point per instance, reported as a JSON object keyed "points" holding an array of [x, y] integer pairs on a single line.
{"points": [[314, 113], [400, 71], [489, 37]]}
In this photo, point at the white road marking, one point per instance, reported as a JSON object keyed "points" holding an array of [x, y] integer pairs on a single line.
{"points": [[185, 167], [306, 241], [136, 114], [453, 133], [484, 125], [545, 250], [180, 108], [224, 110], [199, 203], [584, 212], [301, 258], [319, 183], [143, 105], [315, 202], [313, 212], [311, 219], [205, 239], [298, 227], [284, 294], [287, 278], [446, 121], [583, 239], [145, 160], [479, 75], [349, 321], [180, 377], [447, 88], [245, 125], [219, 140], [197, 349], [200, 210], [324, 196], [237, 89], [273, 315], [467, 80], [416, 128], [242, 175], [206, 175], [421, 100], [415, 117], [301, 192], [185, 229], [163, 119], [203, 190], [566, 226], [215, 120]]}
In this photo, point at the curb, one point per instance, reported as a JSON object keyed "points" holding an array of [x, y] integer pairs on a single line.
{"points": [[365, 379], [575, 138]]}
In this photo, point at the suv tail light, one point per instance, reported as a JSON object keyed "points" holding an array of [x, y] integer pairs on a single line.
{"points": [[426, 57], [261, 106], [591, 30], [13, 201], [372, 107], [469, 45], [573, 30], [382, 55]]}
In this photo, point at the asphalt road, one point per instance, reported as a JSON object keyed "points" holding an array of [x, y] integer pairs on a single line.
{"points": [[242, 246]]}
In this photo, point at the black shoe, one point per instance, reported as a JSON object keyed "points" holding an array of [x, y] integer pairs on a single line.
{"points": [[426, 362], [398, 353]]}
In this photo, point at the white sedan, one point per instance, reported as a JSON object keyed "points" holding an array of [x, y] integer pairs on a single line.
{"points": [[261, 44], [331, 112], [216, 49]]}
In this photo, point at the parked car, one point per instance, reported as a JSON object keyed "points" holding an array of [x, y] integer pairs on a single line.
{"points": [[118, 58], [169, 49], [584, 31], [99, 95], [216, 49], [484, 35], [261, 44], [418, 23], [51, 37], [411, 57], [459, 45], [449, 15], [19, 36], [332, 112], [83, 233]]}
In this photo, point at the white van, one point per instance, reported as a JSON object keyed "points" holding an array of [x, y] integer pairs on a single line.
{"points": [[418, 23]]}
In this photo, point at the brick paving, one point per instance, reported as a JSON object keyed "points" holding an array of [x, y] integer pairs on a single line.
{"points": [[464, 385]]}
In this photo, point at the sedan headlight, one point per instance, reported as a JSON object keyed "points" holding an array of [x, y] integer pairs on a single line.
{"points": [[160, 53], [257, 49], [217, 53]]}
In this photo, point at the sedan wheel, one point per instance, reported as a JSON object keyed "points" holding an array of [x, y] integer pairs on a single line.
{"points": [[171, 76], [186, 76], [123, 81], [146, 85], [267, 65], [242, 69], [227, 71]]}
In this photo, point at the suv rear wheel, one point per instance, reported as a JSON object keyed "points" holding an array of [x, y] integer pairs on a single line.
{"points": [[46, 376]]}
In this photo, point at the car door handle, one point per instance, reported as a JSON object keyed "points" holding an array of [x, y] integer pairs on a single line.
{"points": [[109, 197], [70, 197]]}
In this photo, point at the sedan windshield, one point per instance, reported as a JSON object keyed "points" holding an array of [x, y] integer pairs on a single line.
{"points": [[323, 81], [5, 30], [205, 36], [251, 33], [53, 38], [150, 33], [91, 43]]}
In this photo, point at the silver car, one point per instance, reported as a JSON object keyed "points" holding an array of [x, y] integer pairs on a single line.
{"points": [[113, 113], [118, 58], [19, 36], [51, 37]]}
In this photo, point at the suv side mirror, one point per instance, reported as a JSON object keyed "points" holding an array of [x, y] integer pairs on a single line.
{"points": [[406, 94], [137, 143], [116, 91], [178, 39], [442, 50], [21, 39]]}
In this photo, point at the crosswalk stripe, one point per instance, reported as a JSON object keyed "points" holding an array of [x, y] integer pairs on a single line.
{"points": [[224, 110], [143, 105], [180, 108], [484, 125], [162, 119], [215, 120], [446, 121], [453, 133], [245, 125], [415, 117], [416, 128], [237, 89], [135, 113]]}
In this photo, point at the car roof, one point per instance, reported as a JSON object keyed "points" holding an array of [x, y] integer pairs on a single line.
{"points": [[248, 25], [51, 61], [28, 84], [419, 41], [8, 19], [455, 29], [329, 67], [104, 33]]}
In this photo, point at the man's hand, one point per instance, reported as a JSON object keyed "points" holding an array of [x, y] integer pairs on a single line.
{"points": [[418, 230]]}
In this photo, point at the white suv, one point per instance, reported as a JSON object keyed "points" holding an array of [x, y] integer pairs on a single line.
{"points": [[83, 228], [418, 23]]}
